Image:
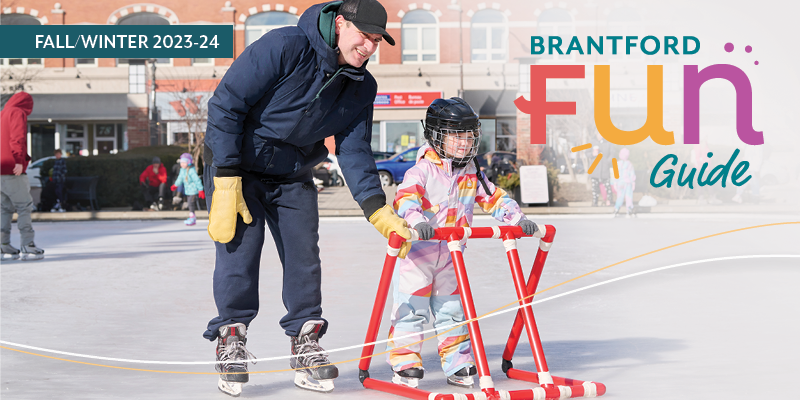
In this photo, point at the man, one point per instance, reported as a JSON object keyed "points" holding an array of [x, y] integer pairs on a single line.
{"points": [[154, 180], [15, 189], [267, 123]]}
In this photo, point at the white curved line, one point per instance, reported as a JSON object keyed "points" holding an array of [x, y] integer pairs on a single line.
{"points": [[415, 334]]}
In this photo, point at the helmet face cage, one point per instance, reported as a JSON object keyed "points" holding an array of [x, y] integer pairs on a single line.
{"points": [[459, 145], [453, 129]]}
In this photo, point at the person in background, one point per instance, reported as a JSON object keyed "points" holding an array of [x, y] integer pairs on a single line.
{"points": [[190, 184], [15, 189], [153, 181], [625, 184], [59, 180]]}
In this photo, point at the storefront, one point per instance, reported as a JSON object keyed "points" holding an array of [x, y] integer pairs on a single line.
{"points": [[78, 124]]}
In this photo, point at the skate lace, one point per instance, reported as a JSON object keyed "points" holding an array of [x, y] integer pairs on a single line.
{"points": [[237, 354], [304, 346]]}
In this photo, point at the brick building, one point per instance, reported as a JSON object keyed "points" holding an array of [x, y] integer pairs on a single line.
{"points": [[94, 106]]}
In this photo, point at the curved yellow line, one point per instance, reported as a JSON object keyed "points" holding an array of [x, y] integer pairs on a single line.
{"points": [[513, 303]]}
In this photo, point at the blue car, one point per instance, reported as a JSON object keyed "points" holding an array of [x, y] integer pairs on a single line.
{"points": [[394, 169]]}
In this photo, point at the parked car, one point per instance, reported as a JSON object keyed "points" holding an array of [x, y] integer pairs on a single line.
{"points": [[34, 172], [382, 155], [495, 163], [393, 169]]}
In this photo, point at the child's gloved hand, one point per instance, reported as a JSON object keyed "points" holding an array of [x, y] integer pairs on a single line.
{"points": [[202, 194], [528, 227], [173, 188], [425, 230]]}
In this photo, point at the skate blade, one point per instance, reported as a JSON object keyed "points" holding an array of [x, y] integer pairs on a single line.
{"points": [[32, 257], [5, 257], [303, 380], [410, 382], [465, 382], [230, 388]]}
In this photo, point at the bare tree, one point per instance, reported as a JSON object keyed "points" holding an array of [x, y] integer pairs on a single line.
{"points": [[189, 98], [16, 79]]}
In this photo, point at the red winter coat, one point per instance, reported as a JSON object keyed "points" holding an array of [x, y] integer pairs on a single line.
{"points": [[155, 180], [14, 133]]}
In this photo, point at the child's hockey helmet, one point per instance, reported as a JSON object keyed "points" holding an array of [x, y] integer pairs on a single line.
{"points": [[455, 117]]}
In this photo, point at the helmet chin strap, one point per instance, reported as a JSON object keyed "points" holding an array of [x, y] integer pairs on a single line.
{"points": [[481, 177]]}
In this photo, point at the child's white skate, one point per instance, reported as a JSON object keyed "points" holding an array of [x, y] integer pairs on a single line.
{"points": [[31, 252], [9, 252], [313, 369], [409, 377], [463, 377]]}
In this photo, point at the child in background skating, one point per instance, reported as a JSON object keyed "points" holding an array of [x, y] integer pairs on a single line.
{"points": [[59, 179], [191, 184], [440, 191], [626, 182]]}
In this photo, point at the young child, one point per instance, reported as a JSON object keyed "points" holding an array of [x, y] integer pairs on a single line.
{"points": [[626, 183], [440, 191], [59, 179], [191, 184]]}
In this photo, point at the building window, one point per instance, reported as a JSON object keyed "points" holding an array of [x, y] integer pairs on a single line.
{"points": [[556, 22], [137, 77], [202, 61], [400, 136], [75, 140], [164, 62], [489, 36], [375, 57], [105, 139], [85, 62], [420, 37], [625, 21], [20, 19], [259, 24], [506, 132], [144, 18]]}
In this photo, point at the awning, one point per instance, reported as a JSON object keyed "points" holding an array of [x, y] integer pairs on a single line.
{"points": [[79, 107], [492, 103]]}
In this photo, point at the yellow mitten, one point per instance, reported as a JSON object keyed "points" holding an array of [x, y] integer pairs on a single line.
{"points": [[386, 222], [226, 203]]}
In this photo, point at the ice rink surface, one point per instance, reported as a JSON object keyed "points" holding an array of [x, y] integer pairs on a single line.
{"points": [[142, 290]]}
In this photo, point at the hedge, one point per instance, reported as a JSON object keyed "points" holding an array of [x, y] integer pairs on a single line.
{"points": [[118, 185]]}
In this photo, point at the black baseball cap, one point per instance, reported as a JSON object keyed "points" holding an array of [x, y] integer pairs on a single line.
{"points": [[368, 16]]}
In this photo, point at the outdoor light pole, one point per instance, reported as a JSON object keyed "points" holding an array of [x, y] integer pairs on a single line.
{"points": [[153, 109], [458, 8]]}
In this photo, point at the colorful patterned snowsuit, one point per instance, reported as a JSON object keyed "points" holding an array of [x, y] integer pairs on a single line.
{"points": [[425, 280]]}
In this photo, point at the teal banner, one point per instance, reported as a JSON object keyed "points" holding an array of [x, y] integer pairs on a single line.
{"points": [[116, 41]]}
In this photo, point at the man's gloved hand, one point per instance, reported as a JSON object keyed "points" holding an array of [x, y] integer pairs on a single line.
{"points": [[528, 227], [226, 202], [386, 222], [425, 230], [202, 194]]}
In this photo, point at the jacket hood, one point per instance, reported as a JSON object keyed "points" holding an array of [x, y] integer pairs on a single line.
{"points": [[21, 100], [312, 21]]}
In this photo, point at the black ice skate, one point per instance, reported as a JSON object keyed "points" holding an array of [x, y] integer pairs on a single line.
{"points": [[463, 377], [9, 252], [409, 377], [231, 350], [311, 360], [31, 252]]}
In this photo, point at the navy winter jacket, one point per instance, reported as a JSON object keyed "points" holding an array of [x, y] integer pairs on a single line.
{"points": [[282, 97]]}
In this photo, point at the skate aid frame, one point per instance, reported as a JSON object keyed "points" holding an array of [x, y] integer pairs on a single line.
{"points": [[550, 387]]}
